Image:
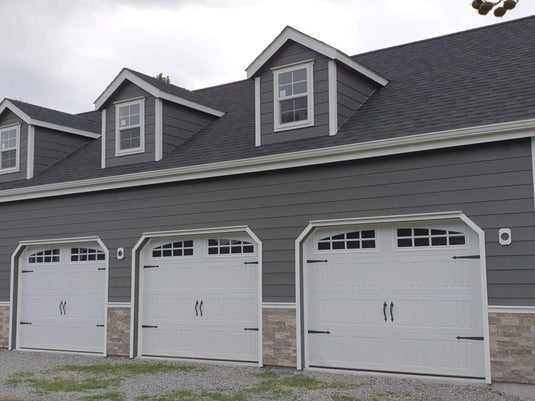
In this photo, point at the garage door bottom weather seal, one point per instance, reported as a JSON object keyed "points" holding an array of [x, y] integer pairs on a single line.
{"points": [[398, 372], [61, 350], [195, 359]]}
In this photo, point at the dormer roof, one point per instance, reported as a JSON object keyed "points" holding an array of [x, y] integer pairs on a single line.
{"points": [[290, 33], [162, 90], [53, 119]]}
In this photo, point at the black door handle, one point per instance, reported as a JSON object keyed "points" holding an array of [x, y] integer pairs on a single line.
{"points": [[384, 310], [64, 305], [200, 307], [196, 311], [60, 310], [392, 311]]}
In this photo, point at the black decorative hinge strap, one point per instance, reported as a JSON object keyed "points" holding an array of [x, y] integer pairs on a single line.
{"points": [[470, 338], [467, 257], [317, 260], [26, 271], [319, 332], [145, 326], [25, 322], [150, 266], [100, 325], [251, 329], [250, 263]]}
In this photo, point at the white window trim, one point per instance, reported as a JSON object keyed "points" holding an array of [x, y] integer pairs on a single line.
{"points": [[17, 160], [277, 126], [141, 147]]}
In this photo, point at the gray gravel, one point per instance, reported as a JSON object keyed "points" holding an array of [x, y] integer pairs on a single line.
{"points": [[231, 379]]}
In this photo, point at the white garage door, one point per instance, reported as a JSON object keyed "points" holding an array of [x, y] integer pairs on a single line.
{"points": [[61, 298], [403, 298], [199, 298]]}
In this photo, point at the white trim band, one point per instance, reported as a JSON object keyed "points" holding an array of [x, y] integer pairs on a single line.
{"points": [[354, 151], [511, 309], [278, 305]]}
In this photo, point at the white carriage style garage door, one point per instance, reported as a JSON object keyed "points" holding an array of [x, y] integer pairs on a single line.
{"points": [[61, 302], [199, 298], [398, 298]]}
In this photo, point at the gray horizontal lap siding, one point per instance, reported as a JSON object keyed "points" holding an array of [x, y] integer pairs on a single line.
{"points": [[179, 124], [9, 118], [52, 146], [491, 184], [352, 92], [125, 92], [290, 53]]}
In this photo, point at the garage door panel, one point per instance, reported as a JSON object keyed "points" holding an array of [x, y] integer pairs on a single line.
{"points": [[201, 306], [328, 312], [431, 288], [62, 305]]}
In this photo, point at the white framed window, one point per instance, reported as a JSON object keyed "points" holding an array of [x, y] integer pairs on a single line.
{"points": [[173, 249], [351, 240], [86, 254], [293, 96], [229, 246], [44, 256], [412, 237], [9, 149], [130, 127]]}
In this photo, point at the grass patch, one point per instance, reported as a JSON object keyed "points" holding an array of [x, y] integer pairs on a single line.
{"points": [[67, 385], [126, 370], [338, 397], [104, 397], [191, 396]]}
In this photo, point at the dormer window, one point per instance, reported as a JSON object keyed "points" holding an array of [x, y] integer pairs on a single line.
{"points": [[130, 127], [9, 149], [294, 100]]}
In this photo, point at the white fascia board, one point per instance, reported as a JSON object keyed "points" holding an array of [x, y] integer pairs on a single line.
{"points": [[511, 309], [6, 104], [154, 91], [30, 153], [289, 33], [61, 241], [355, 151]]}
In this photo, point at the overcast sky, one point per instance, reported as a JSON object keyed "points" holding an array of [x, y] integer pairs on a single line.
{"points": [[63, 53]]}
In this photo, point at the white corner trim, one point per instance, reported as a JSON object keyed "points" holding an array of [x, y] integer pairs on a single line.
{"points": [[103, 140], [278, 305], [154, 91], [119, 304], [511, 309], [6, 104], [354, 151], [30, 152], [333, 98], [158, 129], [257, 113], [533, 166], [290, 33]]}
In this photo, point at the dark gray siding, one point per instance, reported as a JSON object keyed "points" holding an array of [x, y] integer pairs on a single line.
{"points": [[292, 52], [52, 146], [352, 92], [125, 92], [491, 184], [9, 118], [179, 124]]}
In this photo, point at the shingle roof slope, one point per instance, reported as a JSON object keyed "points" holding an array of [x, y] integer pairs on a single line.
{"points": [[58, 117], [177, 90], [477, 77]]}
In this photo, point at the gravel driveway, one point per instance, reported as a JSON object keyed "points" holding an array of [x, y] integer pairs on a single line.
{"points": [[48, 376]]}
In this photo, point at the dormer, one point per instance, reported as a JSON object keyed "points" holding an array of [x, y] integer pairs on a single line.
{"points": [[32, 138], [305, 88], [144, 118]]}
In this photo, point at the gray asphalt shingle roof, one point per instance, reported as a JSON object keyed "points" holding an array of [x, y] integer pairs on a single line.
{"points": [[471, 78], [58, 117]]}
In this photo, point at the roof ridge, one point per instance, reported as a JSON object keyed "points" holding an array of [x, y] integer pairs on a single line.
{"points": [[491, 26]]}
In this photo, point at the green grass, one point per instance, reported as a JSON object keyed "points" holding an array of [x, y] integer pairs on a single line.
{"points": [[126, 370], [191, 396], [59, 384], [104, 397]]}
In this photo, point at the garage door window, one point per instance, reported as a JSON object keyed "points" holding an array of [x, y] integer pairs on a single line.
{"points": [[86, 254], [352, 240], [227, 246], [428, 237], [173, 249], [45, 256]]}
